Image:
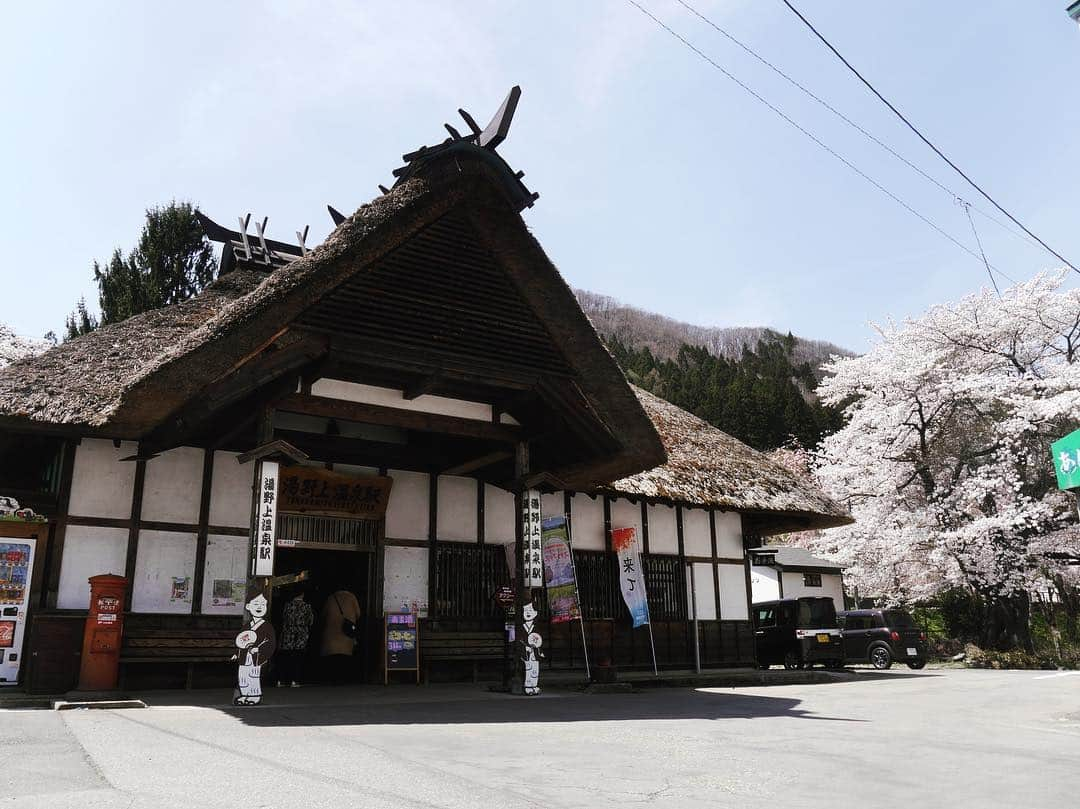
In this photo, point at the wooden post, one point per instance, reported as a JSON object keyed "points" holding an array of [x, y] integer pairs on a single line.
{"points": [[203, 531], [523, 594]]}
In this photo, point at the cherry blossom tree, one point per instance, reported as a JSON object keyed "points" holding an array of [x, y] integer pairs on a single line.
{"points": [[13, 347], [944, 459]]}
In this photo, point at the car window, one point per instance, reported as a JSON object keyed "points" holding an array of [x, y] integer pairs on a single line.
{"points": [[897, 618], [765, 616], [816, 613]]}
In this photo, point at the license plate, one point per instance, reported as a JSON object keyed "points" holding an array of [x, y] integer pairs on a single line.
{"points": [[912, 651], [822, 638]]}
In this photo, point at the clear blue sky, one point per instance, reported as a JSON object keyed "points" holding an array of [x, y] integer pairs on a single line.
{"points": [[661, 182]]}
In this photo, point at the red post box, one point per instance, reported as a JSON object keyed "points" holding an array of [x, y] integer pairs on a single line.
{"points": [[102, 633]]}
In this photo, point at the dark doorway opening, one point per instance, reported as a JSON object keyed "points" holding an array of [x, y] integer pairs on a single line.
{"points": [[331, 571]]}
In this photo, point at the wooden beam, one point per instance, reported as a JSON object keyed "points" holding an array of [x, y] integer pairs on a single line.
{"points": [[395, 417], [56, 546], [424, 384], [133, 530], [479, 463], [203, 532]]}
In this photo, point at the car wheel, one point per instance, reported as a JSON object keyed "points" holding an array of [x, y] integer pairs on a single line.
{"points": [[916, 664], [881, 657], [792, 661]]}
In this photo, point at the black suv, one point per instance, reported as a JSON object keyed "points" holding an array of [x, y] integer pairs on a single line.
{"points": [[880, 637], [797, 632]]}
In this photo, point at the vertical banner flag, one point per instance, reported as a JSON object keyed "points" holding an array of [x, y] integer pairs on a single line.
{"points": [[533, 567], [559, 575], [631, 576], [266, 519]]}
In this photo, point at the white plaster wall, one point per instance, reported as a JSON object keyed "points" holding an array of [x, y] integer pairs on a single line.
{"points": [[173, 486], [732, 593], [405, 584], [407, 512], [764, 583], [625, 514], [552, 505], [230, 491], [704, 591], [388, 397], [226, 560], [499, 523], [663, 536], [88, 551], [163, 556], [830, 587], [697, 539], [729, 544], [587, 522], [101, 484], [457, 509]]}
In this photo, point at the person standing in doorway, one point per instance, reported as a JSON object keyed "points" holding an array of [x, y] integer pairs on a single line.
{"points": [[297, 620], [340, 629]]}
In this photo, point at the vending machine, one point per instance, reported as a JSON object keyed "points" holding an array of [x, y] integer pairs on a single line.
{"points": [[16, 566]]}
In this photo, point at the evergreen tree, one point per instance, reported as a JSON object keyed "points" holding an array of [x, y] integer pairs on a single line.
{"points": [[172, 261]]}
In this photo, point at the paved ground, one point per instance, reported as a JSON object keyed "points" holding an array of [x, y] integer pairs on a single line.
{"points": [[936, 738]]}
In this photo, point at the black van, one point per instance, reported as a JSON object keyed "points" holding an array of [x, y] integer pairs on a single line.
{"points": [[882, 636], [797, 632]]}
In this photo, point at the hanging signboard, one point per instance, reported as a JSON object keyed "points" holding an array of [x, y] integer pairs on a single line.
{"points": [[533, 567], [262, 563], [562, 592], [631, 576], [402, 644], [306, 489], [1066, 454]]}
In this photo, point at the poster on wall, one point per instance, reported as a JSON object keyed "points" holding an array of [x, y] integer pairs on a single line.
{"points": [[533, 568], [562, 591], [263, 557], [631, 575]]}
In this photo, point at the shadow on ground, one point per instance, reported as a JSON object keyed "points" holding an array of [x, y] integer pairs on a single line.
{"points": [[654, 705]]}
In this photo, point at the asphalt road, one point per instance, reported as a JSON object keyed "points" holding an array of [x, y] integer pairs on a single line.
{"points": [[935, 738]]}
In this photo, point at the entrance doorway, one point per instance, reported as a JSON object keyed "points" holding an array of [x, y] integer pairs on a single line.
{"points": [[332, 571]]}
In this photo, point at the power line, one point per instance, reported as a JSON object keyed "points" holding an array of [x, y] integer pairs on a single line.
{"points": [[805, 131], [924, 139], [978, 241], [869, 135]]}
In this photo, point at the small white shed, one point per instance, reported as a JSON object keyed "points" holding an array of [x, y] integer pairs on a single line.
{"points": [[782, 571]]}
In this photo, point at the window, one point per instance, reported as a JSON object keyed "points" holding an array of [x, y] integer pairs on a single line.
{"points": [[29, 464], [465, 580], [816, 613], [764, 616], [811, 579]]}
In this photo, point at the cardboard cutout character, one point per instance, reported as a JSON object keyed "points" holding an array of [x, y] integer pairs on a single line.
{"points": [[531, 653], [255, 643]]}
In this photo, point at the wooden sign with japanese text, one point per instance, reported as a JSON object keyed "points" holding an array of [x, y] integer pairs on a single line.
{"points": [[308, 490], [533, 563], [266, 504]]}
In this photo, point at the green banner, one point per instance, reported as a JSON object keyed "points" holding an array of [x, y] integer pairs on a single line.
{"points": [[1066, 454]]}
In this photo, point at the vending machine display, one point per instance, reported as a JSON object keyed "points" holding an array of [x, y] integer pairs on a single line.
{"points": [[16, 564]]}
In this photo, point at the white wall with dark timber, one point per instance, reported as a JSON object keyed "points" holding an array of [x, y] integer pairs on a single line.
{"points": [[625, 514], [405, 581], [499, 521], [552, 505], [732, 592], [89, 551], [704, 602], [697, 540], [764, 583], [389, 397], [173, 486], [407, 511], [729, 538], [230, 491], [587, 522], [456, 509], [663, 536], [101, 483], [164, 572], [831, 586]]}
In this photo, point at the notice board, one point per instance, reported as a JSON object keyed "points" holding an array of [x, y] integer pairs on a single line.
{"points": [[401, 646]]}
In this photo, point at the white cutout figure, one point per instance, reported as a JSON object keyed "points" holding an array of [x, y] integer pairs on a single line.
{"points": [[531, 653], [256, 643]]}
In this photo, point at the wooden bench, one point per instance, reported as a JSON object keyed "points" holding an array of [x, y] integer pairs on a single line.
{"points": [[468, 647], [184, 646]]}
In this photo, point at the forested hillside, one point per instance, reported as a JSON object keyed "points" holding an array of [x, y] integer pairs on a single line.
{"points": [[665, 336]]}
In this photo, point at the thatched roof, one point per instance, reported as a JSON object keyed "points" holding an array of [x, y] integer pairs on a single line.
{"points": [[708, 467]]}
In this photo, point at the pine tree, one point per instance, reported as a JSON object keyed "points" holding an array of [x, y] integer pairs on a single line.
{"points": [[172, 261]]}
